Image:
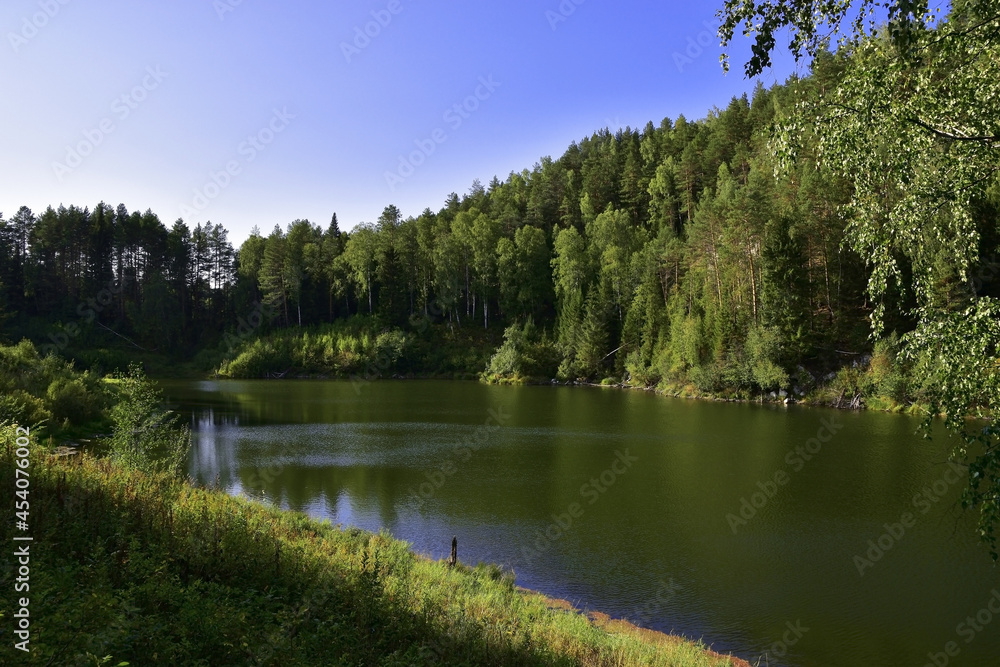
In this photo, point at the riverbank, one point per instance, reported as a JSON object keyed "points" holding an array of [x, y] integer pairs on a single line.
{"points": [[827, 396], [149, 570]]}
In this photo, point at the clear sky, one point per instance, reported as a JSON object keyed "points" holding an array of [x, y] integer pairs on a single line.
{"points": [[249, 112]]}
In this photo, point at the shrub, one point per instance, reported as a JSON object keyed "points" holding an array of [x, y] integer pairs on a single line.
{"points": [[524, 354], [763, 345], [20, 407], [145, 437], [887, 376], [71, 401], [36, 389]]}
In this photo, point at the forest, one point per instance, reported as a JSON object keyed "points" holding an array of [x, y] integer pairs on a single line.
{"points": [[676, 255]]}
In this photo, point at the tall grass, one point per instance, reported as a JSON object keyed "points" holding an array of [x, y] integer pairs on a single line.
{"points": [[143, 568]]}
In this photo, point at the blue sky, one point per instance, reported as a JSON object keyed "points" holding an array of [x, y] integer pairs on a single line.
{"points": [[254, 113]]}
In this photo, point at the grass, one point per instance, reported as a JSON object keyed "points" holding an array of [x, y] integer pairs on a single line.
{"points": [[148, 570]]}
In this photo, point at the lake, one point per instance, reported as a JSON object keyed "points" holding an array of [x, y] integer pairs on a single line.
{"points": [[796, 536]]}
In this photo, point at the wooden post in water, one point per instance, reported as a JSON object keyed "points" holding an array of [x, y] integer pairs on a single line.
{"points": [[454, 552]]}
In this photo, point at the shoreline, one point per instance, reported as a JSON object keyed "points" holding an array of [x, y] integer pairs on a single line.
{"points": [[623, 626], [317, 571], [858, 404], [596, 618]]}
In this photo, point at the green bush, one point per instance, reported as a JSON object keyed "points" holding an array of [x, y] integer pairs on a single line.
{"points": [[71, 401], [524, 355], [708, 378], [36, 390], [19, 407], [359, 345], [145, 437], [887, 376], [763, 347]]}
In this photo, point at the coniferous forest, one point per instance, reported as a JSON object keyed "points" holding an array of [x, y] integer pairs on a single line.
{"points": [[671, 255]]}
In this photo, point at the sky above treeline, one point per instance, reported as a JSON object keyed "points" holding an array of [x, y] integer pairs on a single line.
{"points": [[246, 112]]}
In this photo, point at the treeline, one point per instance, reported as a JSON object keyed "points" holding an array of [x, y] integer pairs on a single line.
{"points": [[668, 254], [101, 270]]}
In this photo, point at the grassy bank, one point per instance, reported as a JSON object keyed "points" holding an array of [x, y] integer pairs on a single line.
{"points": [[360, 347], [147, 570]]}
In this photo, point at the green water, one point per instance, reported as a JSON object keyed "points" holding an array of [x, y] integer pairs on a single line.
{"points": [[630, 503]]}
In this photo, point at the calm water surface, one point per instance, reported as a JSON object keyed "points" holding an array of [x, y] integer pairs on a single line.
{"points": [[630, 503]]}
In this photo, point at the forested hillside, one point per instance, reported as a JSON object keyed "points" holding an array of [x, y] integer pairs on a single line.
{"points": [[668, 254]]}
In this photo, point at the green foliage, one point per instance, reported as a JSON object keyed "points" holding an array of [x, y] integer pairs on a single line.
{"points": [[72, 401], [362, 348], [145, 437], [889, 377], [36, 390], [20, 407], [349, 347], [526, 354], [762, 351], [955, 358], [906, 113]]}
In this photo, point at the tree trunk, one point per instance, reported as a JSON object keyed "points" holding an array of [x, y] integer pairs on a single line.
{"points": [[753, 279]]}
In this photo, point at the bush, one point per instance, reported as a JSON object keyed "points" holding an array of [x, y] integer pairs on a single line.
{"points": [[763, 345], [639, 374], [145, 437], [35, 390], [524, 355], [708, 378], [20, 407], [71, 402], [887, 376]]}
